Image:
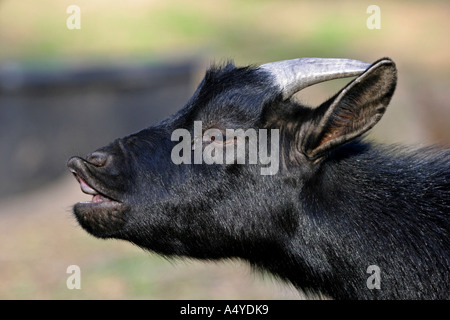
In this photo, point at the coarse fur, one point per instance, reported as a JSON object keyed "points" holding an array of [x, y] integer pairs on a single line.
{"points": [[338, 204]]}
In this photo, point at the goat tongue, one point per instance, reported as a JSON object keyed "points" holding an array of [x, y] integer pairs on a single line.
{"points": [[98, 198]]}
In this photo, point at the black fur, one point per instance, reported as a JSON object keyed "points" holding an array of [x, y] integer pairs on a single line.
{"points": [[336, 206]]}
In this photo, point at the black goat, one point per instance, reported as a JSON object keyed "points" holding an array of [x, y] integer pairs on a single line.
{"points": [[341, 216]]}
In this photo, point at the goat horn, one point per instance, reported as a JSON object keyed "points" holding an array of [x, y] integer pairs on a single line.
{"points": [[296, 74]]}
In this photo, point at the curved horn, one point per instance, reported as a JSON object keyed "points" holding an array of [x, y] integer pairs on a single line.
{"points": [[293, 75]]}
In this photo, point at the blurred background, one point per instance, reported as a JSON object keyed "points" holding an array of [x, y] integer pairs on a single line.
{"points": [[66, 92]]}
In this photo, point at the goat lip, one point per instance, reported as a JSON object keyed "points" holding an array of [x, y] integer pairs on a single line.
{"points": [[97, 197], [99, 203], [87, 188]]}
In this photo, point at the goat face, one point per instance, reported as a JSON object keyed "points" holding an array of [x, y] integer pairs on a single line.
{"points": [[228, 210]]}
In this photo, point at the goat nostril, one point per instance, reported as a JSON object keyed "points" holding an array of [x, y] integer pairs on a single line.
{"points": [[97, 158]]}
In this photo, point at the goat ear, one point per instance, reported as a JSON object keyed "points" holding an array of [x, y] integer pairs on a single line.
{"points": [[352, 111]]}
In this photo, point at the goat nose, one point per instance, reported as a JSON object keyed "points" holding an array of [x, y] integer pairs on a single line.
{"points": [[97, 158]]}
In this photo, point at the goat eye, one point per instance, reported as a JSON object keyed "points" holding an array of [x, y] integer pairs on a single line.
{"points": [[216, 138], [213, 137]]}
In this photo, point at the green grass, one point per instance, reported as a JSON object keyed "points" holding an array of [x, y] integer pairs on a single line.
{"points": [[248, 31], [175, 27]]}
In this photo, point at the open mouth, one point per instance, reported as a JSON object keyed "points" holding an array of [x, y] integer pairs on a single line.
{"points": [[104, 216], [98, 198]]}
